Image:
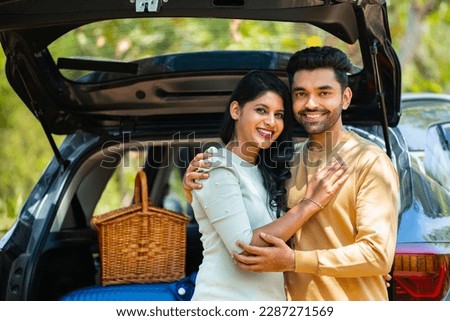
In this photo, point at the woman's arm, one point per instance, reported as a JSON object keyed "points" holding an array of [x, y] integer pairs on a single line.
{"points": [[321, 188]]}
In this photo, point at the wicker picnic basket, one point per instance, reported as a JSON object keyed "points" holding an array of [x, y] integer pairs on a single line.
{"points": [[141, 243]]}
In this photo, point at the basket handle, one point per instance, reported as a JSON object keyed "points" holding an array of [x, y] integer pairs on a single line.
{"points": [[141, 190]]}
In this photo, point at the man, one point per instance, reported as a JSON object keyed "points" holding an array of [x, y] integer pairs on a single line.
{"points": [[343, 251]]}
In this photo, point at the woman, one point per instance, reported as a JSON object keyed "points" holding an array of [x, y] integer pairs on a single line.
{"points": [[245, 193]]}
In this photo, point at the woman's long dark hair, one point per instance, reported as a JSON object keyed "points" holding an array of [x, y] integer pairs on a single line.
{"points": [[273, 162]]}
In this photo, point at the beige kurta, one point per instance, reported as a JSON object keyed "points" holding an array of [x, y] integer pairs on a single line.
{"points": [[343, 251]]}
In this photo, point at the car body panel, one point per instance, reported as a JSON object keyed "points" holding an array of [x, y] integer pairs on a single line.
{"points": [[428, 217]]}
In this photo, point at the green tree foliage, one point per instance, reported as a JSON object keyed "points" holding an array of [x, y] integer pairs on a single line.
{"points": [[419, 30], [24, 152]]}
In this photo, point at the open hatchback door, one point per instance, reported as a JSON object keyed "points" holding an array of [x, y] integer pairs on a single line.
{"points": [[147, 81]]}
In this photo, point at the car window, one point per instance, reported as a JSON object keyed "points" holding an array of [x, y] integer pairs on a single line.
{"points": [[119, 190], [128, 40], [174, 198], [165, 169], [417, 118]]}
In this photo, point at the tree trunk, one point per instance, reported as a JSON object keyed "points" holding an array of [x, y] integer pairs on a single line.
{"points": [[416, 14]]}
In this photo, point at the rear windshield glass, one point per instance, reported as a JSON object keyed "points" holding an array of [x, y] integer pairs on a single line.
{"points": [[128, 40]]}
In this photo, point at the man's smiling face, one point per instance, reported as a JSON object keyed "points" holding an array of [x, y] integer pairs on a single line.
{"points": [[318, 100]]}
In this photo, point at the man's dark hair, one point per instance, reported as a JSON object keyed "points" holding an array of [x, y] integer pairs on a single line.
{"points": [[321, 57]]}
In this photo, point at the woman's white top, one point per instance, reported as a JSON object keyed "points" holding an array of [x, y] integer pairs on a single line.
{"points": [[232, 203]]}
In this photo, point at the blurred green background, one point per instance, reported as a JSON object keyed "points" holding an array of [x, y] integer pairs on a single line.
{"points": [[419, 29]]}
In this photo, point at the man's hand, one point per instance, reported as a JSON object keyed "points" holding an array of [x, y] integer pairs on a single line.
{"points": [[325, 183], [199, 161], [387, 279], [276, 258]]}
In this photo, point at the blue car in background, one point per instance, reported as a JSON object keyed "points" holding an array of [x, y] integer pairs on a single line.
{"points": [[421, 270]]}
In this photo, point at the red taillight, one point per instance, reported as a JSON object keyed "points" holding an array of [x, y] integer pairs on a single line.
{"points": [[420, 273]]}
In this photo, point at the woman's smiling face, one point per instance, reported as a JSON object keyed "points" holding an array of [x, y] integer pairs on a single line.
{"points": [[259, 122]]}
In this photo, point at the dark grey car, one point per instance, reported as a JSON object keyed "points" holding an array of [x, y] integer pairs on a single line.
{"points": [[152, 94]]}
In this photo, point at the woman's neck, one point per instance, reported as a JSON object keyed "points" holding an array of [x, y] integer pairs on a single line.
{"points": [[246, 151]]}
